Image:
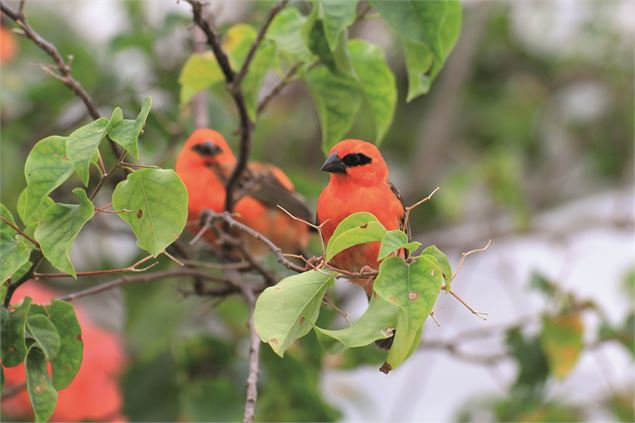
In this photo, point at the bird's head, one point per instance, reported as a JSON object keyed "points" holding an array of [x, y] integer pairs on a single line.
{"points": [[206, 147], [356, 161]]}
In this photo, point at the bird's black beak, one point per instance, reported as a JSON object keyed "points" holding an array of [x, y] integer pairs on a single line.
{"points": [[207, 148], [333, 164]]}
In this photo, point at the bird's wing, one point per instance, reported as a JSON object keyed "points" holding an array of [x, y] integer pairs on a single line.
{"points": [[270, 186]]}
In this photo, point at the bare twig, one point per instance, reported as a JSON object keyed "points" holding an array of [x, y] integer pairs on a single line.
{"points": [[64, 68], [478, 314], [132, 268], [19, 231], [286, 79], [409, 209], [146, 277], [464, 255], [233, 223], [254, 47]]}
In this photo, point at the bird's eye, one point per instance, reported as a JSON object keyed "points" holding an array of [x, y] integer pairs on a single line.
{"points": [[207, 148], [356, 159]]}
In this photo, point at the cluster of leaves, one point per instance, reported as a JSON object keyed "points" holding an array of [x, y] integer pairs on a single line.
{"points": [[340, 73], [404, 293], [152, 201], [37, 336]]}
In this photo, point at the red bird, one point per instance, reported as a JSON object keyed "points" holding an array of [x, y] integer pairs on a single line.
{"points": [[205, 164], [358, 183]]}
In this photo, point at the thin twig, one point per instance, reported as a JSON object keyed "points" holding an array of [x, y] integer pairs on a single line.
{"points": [[146, 277], [280, 86], [233, 223], [464, 255], [65, 71], [478, 314], [409, 209], [254, 46], [132, 268], [19, 231]]}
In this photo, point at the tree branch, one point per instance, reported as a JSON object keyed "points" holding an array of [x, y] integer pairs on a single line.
{"points": [[254, 351], [254, 47], [64, 69], [147, 277], [279, 87]]}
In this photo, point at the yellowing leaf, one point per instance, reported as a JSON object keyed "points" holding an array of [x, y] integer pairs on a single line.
{"points": [[562, 339]]}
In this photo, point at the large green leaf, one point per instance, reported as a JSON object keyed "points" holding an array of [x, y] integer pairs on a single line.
{"points": [[13, 326], [414, 288], [199, 73], [337, 101], [337, 15], [396, 240], [429, 30], [42, 394], [68, 359], [46, 168], [83, 144], [288, 310], [377, 83], [32, 217], [358, 228], [562, 339], [14, 252], [59, 228], [45, 334], [377, 322], [157, 204], [286, 33], [125, 132]]}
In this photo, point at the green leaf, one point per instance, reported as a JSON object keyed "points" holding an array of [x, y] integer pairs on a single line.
{"points": [[287, 311], [68, 360], [562, 339], [396, 240], [337, 101], [377, 322], [286, 33], [42, 394], [14, 252], [83, 144], [337, 16], [429, 30], [45, 334], [337, 59], [441, 260], [199, 73], [13, 326], [32, 217], [414, 289], [59, 228], [126, 132], [157, 200], [376, 82], [46, 168], [358, 228]]}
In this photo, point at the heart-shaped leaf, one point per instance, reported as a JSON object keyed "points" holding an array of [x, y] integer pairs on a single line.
{"points": [[83, 144], [358, 228], [13, 326], [45, 334], [396, 240], [42, 394]]}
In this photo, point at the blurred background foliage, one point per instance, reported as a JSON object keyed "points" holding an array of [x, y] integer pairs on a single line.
{"points": [[533, 109]]}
